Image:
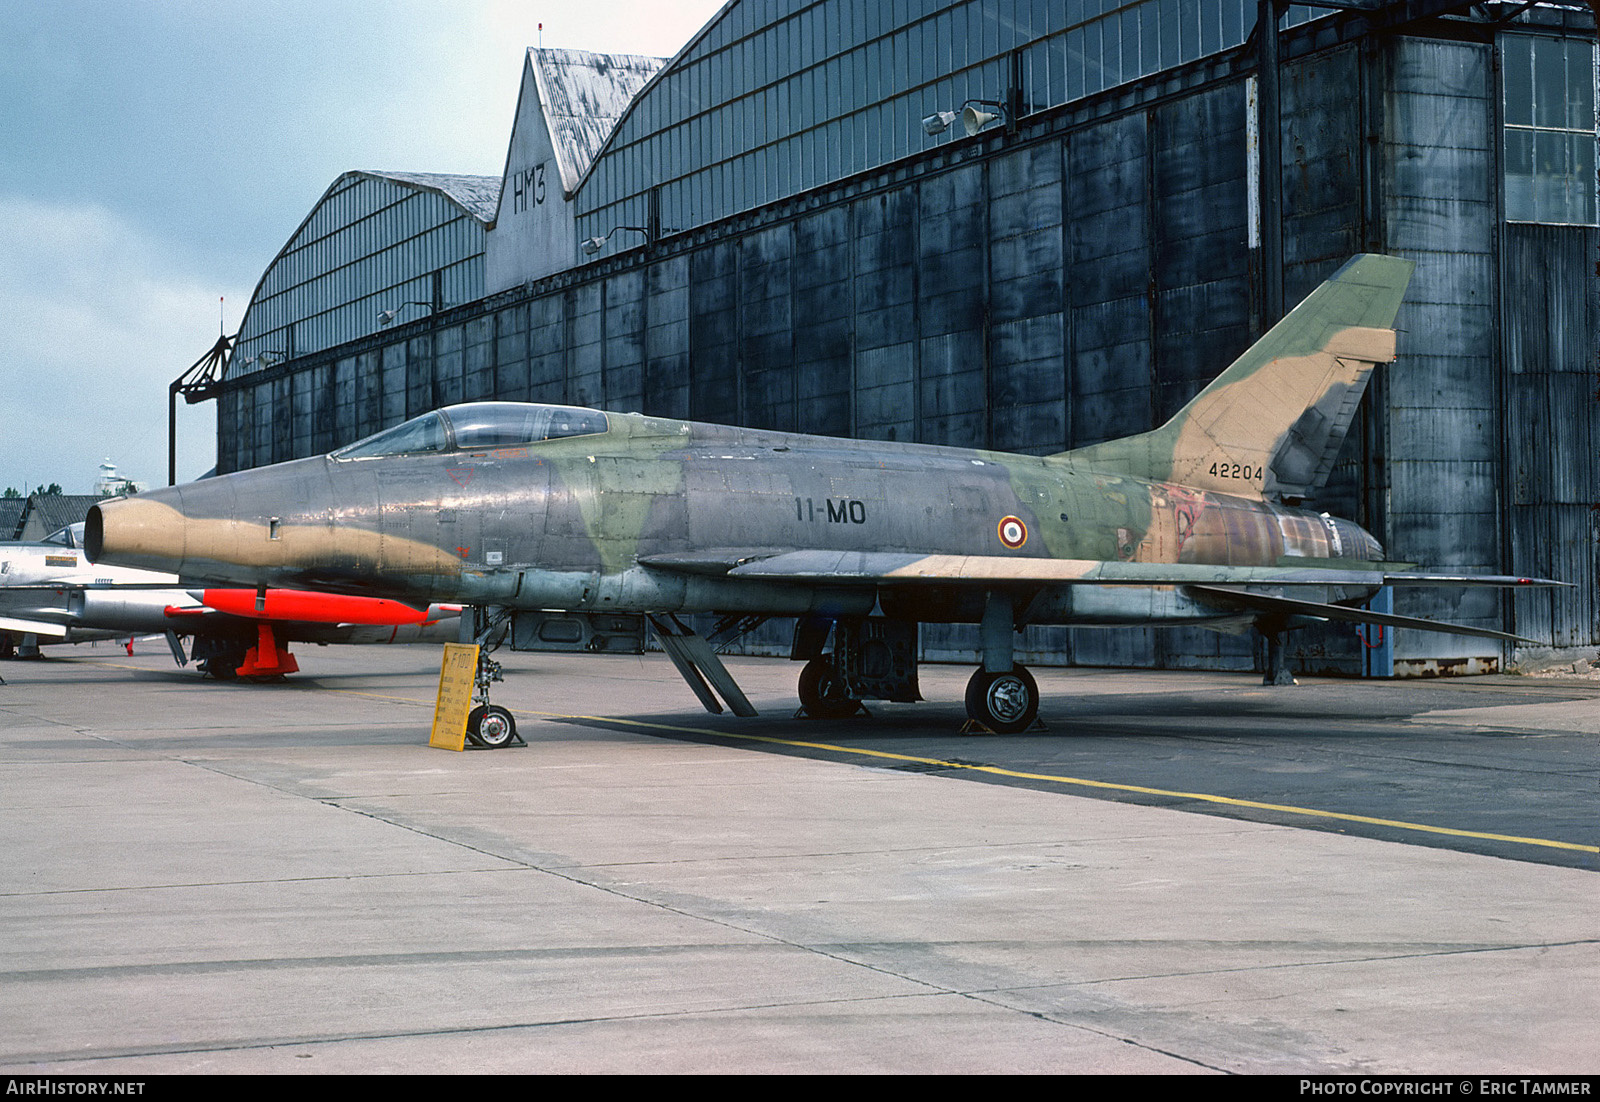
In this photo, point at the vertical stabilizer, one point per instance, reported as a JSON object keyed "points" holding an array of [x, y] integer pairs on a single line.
{"points": [[1271, 425]]}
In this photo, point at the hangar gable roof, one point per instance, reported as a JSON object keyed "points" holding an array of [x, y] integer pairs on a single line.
{"points": [[583, 94], [477, 195]]}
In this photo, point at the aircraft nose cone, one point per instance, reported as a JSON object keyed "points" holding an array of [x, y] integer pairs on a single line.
{"points": [[145, 531]]}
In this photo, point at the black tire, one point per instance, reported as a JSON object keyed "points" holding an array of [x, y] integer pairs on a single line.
{"points": [[1006, 703], [223, 667], [492, 726], [823, 693]]}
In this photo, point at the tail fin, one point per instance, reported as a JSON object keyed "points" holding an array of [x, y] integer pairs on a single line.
{"points": [[1272, 423]]}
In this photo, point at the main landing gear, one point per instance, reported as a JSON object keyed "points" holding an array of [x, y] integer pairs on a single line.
{"points": [[228, 658], [875, 658], [1006, 703], [488, 725]]}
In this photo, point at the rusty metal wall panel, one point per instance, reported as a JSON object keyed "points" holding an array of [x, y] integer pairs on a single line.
{"points": [[420, 396], [477, 359], [950, 400], [1109, 258], [392, 385], [666, 342], [822, 310], [884, 289], [1323, 136], [1200, 272], [584, 333], [713, 333], [369, 392], [547, 350], [1442, 504], [1027, 370], [766, 328], [623, 342], [1552, 359], [511, 353]]}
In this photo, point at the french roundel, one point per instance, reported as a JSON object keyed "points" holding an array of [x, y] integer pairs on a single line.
{"points": [[1013, 533]]}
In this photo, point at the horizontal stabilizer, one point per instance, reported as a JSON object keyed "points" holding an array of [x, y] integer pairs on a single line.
{"points": [[1235, 599], [1410, 580]]}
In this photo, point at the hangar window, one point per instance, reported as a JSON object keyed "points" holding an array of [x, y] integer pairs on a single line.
{"points": [[1549, 129]]}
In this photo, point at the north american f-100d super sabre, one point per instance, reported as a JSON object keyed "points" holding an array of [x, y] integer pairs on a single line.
{"points": [[526, 510]]}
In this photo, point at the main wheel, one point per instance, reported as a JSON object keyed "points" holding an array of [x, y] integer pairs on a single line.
{"points": [[823, 693], [1006, 703], [491, 725], [223, 667]]}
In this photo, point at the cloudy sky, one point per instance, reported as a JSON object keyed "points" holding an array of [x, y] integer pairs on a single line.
{"points": [[155, 156]]}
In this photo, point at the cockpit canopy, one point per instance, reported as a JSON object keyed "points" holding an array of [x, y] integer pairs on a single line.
{"points": [[476, 426], [70, 536]]}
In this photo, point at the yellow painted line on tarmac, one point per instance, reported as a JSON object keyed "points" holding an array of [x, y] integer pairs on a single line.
{"points": [[1203, 797], [995, 770]]}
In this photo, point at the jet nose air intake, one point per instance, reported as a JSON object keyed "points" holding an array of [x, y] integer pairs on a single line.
{"points": [[145, 531]]}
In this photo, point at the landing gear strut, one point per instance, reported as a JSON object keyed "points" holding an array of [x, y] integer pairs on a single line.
{"points": [[1276, 632], [1002, 696], [873, 658], [488, 725]]}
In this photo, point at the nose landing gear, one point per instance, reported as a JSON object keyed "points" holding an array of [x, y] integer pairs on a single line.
{"points": [[488, 725]]}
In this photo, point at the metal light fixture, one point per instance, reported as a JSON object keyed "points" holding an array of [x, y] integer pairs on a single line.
{"points": [[386, 317], [592, 245], [972, 119], [271, 357]]}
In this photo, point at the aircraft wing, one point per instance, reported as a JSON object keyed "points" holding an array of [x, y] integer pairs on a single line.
{"points": [[1228, 588], [33, 627], [888, 567]]}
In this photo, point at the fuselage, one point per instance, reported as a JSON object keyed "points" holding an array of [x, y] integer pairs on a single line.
{"points": [[584, 520]]}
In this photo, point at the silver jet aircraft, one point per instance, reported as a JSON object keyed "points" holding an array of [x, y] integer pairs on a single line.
{"points": [[528, 512], [50, 594]]}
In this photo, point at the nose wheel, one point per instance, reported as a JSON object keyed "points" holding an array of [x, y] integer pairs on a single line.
{"points": [[1006, 703], [491, 726]]}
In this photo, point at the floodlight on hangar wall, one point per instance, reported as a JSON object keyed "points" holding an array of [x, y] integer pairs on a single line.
{"points": [[592, 245], [972, 120], [387, 317]]}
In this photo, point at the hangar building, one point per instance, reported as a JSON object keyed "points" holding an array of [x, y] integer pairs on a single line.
{"points": [[763, 231]]}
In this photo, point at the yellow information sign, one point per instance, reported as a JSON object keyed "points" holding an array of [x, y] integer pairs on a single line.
{"points": [[455, 696]]}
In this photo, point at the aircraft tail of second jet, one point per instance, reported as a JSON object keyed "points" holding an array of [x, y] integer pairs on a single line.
{"points": [[1271, 425]]}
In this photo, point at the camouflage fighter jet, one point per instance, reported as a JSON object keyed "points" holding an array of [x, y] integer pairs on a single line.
{"points": [[552, 516]]}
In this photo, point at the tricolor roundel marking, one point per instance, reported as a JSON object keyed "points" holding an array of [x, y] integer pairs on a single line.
{"points": [[1013, 533]]}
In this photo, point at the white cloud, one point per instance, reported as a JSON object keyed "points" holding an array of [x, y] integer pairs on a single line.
{"points": [[96, 319]]}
